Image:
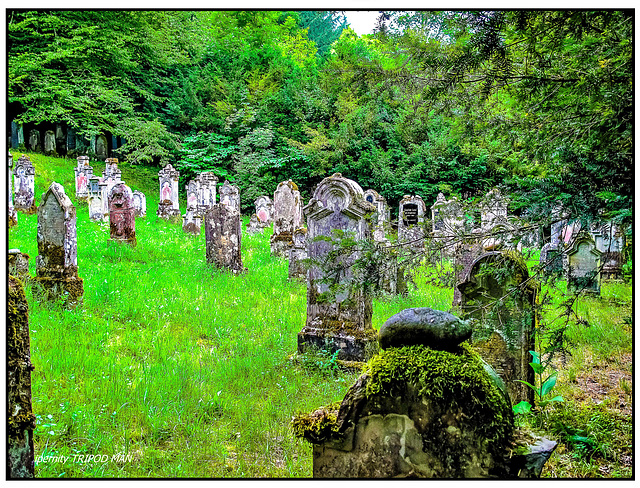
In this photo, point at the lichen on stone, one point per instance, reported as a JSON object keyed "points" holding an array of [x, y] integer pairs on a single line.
{"points": [[318, 425]]}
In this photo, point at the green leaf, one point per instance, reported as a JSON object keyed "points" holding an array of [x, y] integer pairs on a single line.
{"points": [[548, 385], [522, 408], [537, 368]]}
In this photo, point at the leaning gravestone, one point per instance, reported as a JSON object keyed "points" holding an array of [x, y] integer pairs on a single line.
{"points": [[382, 214], [34, 141], [287, 216], [12, 215], [169, 206], [140, 204], [264, 211], [498, 293], [24, 184], [337, 321], [57, 261], [83, 172], [223, 235], [297, 255], [50, 143], [18, 263], [191, 221], [411, 222], [21, 422], [97, 200], [583, 265], [122, 215], [230, 195]]}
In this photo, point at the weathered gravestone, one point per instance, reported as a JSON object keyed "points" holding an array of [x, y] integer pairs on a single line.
{"points": [[24, 185], [169, 206], [140, 203], [21, 421], [381, 216], [447, 224], [337, 321], [193, 190], [297, 255], [411, 222], [230, 195], [83, 172], [287, 217], [102, 147], [97, 200], [264, 211], [34, 140], [609, 240], [122, 214], [61, 140], [57, 261], [17, 135], [583, 262], [207, 195], [551, 254], [253, 227], [18, 263], [12, 214], [72, 148], [425, 407], [191, 221], [498, 293], [223, 234], [50, 143]]}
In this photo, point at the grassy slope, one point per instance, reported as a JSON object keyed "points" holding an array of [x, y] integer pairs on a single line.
{"points": [[188, 370]]}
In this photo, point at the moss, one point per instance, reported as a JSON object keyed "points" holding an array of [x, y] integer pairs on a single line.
{"points": [[520, 268], [317, 426], [343, 327]]}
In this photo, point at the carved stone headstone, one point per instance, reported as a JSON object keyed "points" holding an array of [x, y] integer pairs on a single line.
{"points": [[97, 200], [57, 260], [337, 321], [297, 269], [287, 216], [50, 143], [230, 195], [140, 203], [193, 190], [71, 143], [609, 240], [207, 195], [191, 221], [18, 263], [12, 214], [583, 265], [21, 421], [497, 292], [122, 214], [17, 135], [223, 234], [264, 211], [382, 214], [169, 206], [83, 172], [24, 185], [34, 140], [254, 227], [102, 147], [61, 140], [411, 215], [447, 224]]}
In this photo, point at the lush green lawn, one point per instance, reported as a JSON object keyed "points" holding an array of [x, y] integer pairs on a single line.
{"points": [[188, 371]]}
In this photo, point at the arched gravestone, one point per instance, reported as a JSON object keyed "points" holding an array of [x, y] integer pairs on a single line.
{"points": [[207, 195], [193, 190], [102, 147], [230, 195], [191, 222], [57, 260], [50, 143], [583, 265], [24, 185], [222, 228], [382, 214], [122, 214], [34, 140], [497, 292], [411, 214], [610, 241], [169, 205], [12, 215], [83, 172], [341, 321], [264, 211], [287, 217], [97, 200], [140, 203]]}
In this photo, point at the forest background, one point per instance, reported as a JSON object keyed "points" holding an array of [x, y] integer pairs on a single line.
{"points": [[539, 103]]}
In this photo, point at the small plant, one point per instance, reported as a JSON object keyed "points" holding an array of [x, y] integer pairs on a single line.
{"points": [[543, 391]]}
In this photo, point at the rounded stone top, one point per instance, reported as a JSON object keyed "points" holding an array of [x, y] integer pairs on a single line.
{"points": [[424, 326]]}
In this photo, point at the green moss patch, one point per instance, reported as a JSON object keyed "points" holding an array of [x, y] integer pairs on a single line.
{"points": [[318, 425]]}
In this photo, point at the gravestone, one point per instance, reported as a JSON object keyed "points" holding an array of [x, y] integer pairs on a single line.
{"points": [[264, 211], [34, 141], [17, 135], [582, 268], [50, 143], [465, 255], [552, 253], [18, 263], [411, 214], [12, 214], [122, 215], [207, 195], [24, 186], [253, 227], [337, 321], [140, 204], [609, 240], [83, 171], [447, 224], [497, 293], [287, 216], [230, 195], [21, 422], [381, 216], [191, 221], [61, 140], [169, 206], [97, 200], [57, 261], [193, 190], [71, 143], [222, 228], [298, 253], [102, 147]]}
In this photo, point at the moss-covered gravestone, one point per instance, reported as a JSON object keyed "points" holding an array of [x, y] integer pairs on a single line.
{"points": [[583, 263], [57, 261], [18, 263], [24, 186], [223, 233], [191, 221], [338, 316], [287, 217], [498, 293], [12, 215], [20, 418], [297, 255]]}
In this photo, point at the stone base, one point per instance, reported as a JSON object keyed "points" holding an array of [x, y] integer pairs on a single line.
{"points": [[69, 290], [169, 213], [280, 245], [351, 348], [192, 229], [132, 241]]}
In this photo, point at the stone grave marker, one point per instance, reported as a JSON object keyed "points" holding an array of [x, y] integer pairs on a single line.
{"points": [[191, 221], [24, 185], [140, 203], [21, 422], [230, 195], [169, 206], [287, 216], [337, 321], [447, 224], [253, 227], [97, 200], [497, 293], [83, 171], [583, 262], [193, 190], [102, 147], [298, 253], [122, 214], [609, 240], [223, 234], [207, 195], [12, 214], [57, 261], [18, 263], [411, 221], [382, 214], [50, 143], [34, 141], [264, 211]]}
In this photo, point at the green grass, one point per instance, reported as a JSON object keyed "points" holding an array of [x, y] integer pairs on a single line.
{"points": [[189, 370]]}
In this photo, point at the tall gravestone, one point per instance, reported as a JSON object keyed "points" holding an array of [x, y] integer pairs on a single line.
{"points": [[193, 190], [297, 255], [34, 141], [96, 200], [57, 261], [61, 140], [102, 147], [497, 293], [337, 321], [140, 203], [583, 270], [264, 211], [71, 143], [21, 421], [50, 143], [222, 227], [447, 224], [122, 214], [12, 215], [169, 206], [411, 215], [17, 135], [83, 172], [382, 214], [609, 240], [230, 195], [287, 216], [551, 254], [207, 195], [24, 185]]}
